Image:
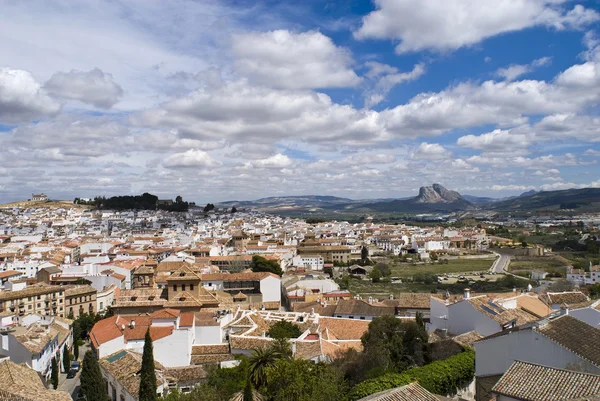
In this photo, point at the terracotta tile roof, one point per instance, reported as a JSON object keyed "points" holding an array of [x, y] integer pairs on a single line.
{"points": [[35, 337], [575, 335], [243, 342], [344, 329], [497, 312], [308, 349], [533, 305], [410, 392], [530, 382], [410, 300], [210, 349], [237, 276], [467, 339], [21, 381], [362, 308], [72, 291], [30, 291], [186, 319], [10, 273], [165, 314], [124, 366], [186, 374], [206, 319], [569, 299]]}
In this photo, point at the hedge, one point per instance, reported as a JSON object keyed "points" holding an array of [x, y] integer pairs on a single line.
{"points": [[440, 377]]}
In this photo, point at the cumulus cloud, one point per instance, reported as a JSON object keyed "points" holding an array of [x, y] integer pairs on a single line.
{"points": [[385, 77], [285, 59], [498, 141], [189, 159], [450, 24], [514, 71], [239, 111], [22, 98], [431, 151], [277, 161], [92, 87]]}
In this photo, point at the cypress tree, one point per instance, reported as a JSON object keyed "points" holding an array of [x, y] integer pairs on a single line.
{"points": [[147, 375], [66, 360], [76, 349], [54, 374], [92, 382]]}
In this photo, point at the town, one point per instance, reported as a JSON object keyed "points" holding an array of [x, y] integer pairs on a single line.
{"points": [[215, 287]]}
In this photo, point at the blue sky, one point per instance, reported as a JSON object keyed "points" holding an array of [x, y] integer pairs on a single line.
{"points": [[246, 99]]}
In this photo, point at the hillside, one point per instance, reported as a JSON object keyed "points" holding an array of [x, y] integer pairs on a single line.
{"points": [[50, 204], [433, 198], [586, 199]]}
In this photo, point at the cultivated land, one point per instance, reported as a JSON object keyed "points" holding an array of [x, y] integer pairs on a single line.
{"points": [[548, 264], [453, 266]]}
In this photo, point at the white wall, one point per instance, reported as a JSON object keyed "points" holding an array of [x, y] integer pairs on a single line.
{"points": [[208, 335], [463, 317], [495, 355], [270, 288], [174, 350], [112, 346]]}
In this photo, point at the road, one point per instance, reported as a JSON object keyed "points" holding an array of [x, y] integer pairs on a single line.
{"points": [[72, 386], [501, 264]]}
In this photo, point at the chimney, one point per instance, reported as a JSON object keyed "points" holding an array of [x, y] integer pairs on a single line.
{"points": [[391, 296], [312, 311], [514, 289], [447, 302], [565, 310], [370, 300], [132, 324], [467, 293]]}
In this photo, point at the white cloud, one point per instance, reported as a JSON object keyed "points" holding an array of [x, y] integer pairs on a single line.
{"points": [[92, 87], [514, 71], [22, 98], [592, 152], [498, 141], [190, 158], [277, 161], [511, 187], [237, 111], [284, 59], [431, 151], [451, 24], [385, 78]]}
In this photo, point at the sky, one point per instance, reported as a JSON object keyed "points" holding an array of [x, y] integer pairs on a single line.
{"points": [[239, 100]]}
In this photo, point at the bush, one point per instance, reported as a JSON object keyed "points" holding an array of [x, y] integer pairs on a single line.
{"points": [[440, 377]]}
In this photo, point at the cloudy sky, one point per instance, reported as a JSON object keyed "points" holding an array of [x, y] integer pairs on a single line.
{"points": [[244, 99]]}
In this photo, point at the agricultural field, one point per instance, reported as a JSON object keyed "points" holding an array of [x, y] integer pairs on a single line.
{"points": [[453, 266], [525, 265]]}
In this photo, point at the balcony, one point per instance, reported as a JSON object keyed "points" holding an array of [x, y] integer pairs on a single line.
{"points": [[21, 303]]}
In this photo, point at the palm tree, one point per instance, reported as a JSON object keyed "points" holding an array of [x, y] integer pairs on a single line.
{"points": [[260, 359]]}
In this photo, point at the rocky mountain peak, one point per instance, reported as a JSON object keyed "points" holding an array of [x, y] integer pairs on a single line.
{"points": [[438, 194]]}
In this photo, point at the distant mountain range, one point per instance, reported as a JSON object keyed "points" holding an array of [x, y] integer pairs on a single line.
{"points": [[431, 199]]}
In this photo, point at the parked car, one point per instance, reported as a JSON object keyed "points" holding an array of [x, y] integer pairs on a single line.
{"points": [[72, 373], [76, 365]]}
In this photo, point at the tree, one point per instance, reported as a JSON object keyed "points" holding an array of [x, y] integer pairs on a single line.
{"points": [[54, 374], [233, 210], [375, 275], [303, 380], [75, 348], [284, 329], [260, 264], [209, 207], [260, 359], [364, 254], [92, 382], [147, 390], [66, 360], [404, 342], [384, 268], [178, 199]]}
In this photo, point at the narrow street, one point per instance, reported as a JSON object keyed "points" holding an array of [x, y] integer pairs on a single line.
{"points": [[71, 386]]}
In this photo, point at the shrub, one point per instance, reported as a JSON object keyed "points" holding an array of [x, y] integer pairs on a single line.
{"points": [[441, 377]]}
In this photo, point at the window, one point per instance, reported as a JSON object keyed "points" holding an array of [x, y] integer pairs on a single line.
{"points": [[351, 317], [182, 287], [29, 299], [191, 287], [39, 306], [175, 287], [29, 307], [362, 318], [39, 297]]}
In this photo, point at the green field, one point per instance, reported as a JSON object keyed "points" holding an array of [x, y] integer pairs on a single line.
{"points": [[453, 266], [382, 290], [528, 264]]}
